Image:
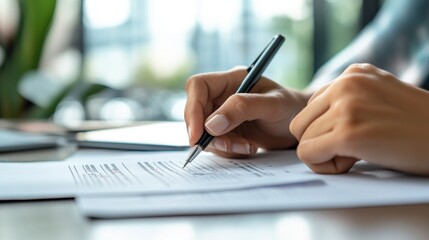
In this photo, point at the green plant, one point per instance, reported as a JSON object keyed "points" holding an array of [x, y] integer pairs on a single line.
{"points": [[23, 54]]}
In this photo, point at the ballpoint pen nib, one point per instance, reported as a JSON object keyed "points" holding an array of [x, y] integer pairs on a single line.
{"points": [[186, 163], [195, 150]]}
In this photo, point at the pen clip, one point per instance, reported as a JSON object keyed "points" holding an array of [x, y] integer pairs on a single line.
{"points": [[259, 56]]}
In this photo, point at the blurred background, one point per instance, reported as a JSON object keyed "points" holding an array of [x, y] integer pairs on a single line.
{"points": [[128, 60]]}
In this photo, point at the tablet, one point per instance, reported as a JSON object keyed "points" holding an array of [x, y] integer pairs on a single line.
{"points": [[11, 140], [150, 136]]}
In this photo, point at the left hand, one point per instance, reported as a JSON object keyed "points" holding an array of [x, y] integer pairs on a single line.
{"points": [[366, 113]]}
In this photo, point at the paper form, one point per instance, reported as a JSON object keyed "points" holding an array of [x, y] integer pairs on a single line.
{"points": [[365, 185], [143, 173]]}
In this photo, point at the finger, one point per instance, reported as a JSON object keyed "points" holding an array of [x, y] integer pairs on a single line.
{"points": [[319, 92], [232, 146], [310, 113], [245, 107], [194, 118], [321, 125], [334, 166], [202, 90], [212, 85], [323, 154], [319, 149]]}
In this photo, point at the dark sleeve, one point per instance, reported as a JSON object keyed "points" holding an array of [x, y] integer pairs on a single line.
{"points": [[397, 40]]}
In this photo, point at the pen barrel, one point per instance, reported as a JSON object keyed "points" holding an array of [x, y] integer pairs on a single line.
{"points": [[205, 140], [258, 67], [254, 74]]}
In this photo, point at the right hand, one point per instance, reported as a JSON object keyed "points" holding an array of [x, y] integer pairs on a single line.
{"points": [[241, 123]]}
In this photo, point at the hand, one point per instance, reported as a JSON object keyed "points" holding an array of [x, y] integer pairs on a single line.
{"points": [[366, 113], [241, 123]]}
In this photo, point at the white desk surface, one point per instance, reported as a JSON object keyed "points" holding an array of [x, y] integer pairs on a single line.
{"points": [[61, 220]]}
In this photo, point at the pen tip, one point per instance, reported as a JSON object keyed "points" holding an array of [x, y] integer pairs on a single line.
{"points": [[192, 154], [186, 163]]}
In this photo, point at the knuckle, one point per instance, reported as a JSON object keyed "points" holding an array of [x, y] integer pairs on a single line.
{"points": [[349, 138], [372, 71], [350, 83], [361, 68], [240, 103], [294, 129], [191, 82], [305, 151], [350, 125], [385, 75], [301, 153], [194, 81], [348, 107], [349, 116], [346, 134]]}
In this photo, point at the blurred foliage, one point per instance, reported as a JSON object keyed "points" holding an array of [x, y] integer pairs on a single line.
{"points": [[343, 24], [148, 78], [23, 53], [172, 78], [298, 47]]}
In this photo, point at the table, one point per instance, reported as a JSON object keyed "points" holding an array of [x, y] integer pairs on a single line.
{"points": [[60, 219]]}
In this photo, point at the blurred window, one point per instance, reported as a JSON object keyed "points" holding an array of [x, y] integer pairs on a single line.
{"points": [[158, 44]]}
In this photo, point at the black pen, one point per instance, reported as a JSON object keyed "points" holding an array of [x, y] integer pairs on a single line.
{"points": [[254, 73]]}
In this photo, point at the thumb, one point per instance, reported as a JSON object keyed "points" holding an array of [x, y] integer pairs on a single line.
{"points": [[242, 107]]}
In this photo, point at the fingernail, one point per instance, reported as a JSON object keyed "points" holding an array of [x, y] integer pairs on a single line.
{"points": [[240, 148], [219, 145], [217, 124]]}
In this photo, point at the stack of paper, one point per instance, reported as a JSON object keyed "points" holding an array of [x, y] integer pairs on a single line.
{"points": [[365, 185], [111, 184], [94, 173]]}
